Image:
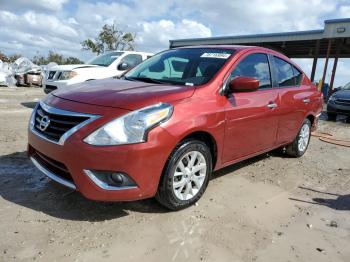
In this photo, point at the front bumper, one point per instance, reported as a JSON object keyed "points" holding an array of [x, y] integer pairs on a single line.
{"points": [[142, 162], [334, 108], [51, 85]]}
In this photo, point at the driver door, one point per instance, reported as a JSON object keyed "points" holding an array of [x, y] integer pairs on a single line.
{"points": [[251, 117]]}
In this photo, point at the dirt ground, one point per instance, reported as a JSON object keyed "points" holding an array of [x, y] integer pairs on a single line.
{"points": [[270, 208]]}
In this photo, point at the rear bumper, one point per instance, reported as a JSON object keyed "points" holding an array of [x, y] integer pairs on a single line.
{"points": [[315, 123], [338, 109]]}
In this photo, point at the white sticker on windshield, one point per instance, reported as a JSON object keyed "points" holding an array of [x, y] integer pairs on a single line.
{"points": [[216, 55]]}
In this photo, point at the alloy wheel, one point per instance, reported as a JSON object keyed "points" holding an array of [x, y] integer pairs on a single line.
{"points": [[304, 137], [189, 175]]}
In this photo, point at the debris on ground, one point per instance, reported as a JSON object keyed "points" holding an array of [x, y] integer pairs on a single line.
{"points": [[333, 224], [23, 72], [328, 138]]}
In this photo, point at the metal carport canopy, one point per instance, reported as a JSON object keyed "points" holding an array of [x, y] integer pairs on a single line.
{"points": [[300, 44], [333, 41]]}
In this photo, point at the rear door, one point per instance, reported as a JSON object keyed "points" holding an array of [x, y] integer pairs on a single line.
{"points": [[251, 117], [294, 99]]}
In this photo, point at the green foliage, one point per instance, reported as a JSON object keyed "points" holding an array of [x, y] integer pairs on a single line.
{"points": [[55, 57], [3, 57], [42, 60], [14, 57], [110, 38], [9, 59]]}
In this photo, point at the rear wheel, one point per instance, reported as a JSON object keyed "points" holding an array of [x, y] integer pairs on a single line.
{"points": [[186, 175], [298, 147]]}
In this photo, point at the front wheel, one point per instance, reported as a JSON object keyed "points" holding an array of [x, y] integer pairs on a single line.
{"points": [[298, 147], [186, 175]]}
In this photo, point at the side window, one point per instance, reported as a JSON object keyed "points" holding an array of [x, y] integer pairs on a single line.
{"points": [[284, 72], [132, 59], [254, 65], [297, 76]]}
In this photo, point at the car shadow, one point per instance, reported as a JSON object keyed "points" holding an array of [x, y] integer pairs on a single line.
{"points": [[21, 183], [234, 167], [338, 202]]}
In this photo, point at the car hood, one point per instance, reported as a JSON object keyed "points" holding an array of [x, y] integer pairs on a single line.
{"points": [[342, 94], [124, 94], [70, 67]]}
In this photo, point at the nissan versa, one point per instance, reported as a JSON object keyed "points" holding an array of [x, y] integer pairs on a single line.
{"points": [[171, 121]]}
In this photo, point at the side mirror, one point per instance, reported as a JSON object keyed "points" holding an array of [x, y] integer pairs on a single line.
{"points": [[336, 89], [244, 84], [123, 66]]}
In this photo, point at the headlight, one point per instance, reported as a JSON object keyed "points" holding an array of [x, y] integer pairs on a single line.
{"points": [[332, 98], [65, 75], [132, 127]]}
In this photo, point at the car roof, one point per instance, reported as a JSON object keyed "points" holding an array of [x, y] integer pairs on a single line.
{"points": [[247, 48], [233, 47], [237, 48]]}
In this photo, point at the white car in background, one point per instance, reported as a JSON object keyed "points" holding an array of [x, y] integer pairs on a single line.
{"points": [[112, 64]]}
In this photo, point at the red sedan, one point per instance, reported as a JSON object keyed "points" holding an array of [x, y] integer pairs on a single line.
{"points": [[171, 121]]}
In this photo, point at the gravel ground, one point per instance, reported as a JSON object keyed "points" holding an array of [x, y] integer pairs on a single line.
{"points": [[269, 208]]}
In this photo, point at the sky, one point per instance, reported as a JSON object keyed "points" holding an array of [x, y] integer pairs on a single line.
{"points": [[35, 27]]}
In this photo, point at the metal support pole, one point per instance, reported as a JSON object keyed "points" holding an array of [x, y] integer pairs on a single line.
{"points": [[330, 88], [325, 64], [335, 63], [314, 64]]}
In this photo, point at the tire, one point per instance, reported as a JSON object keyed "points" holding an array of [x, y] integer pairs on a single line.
{"points": [[300, 144], [331, 116], [172, 188]]}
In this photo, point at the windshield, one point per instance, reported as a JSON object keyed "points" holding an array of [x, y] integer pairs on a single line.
{"points": [[105, 59], [184, 66], [346, 87]]}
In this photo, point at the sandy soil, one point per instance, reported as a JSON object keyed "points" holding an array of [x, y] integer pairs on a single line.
{"points": [[270, 208]]}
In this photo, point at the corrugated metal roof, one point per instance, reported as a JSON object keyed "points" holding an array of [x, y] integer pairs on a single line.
{"points": [[301, 44]]}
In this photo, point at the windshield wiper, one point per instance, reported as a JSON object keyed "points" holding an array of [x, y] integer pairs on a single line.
{"points": [[145, 79]]}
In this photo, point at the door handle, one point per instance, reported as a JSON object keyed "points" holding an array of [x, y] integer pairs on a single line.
{"points": [[272, 105], [306, 100]]}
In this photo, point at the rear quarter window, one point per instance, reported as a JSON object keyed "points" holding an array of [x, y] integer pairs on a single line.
{"points": [[286, 74], [297, 76]]}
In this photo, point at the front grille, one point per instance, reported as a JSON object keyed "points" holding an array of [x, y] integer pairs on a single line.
{"points": [[54, 125], [50, 88], [51, 74], [343, 102], [55, 167]]}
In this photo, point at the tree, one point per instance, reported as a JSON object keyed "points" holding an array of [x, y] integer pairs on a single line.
{"points": [[3, 57], [14, 57], [55, 57], [110, 38], [73, 60]]}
